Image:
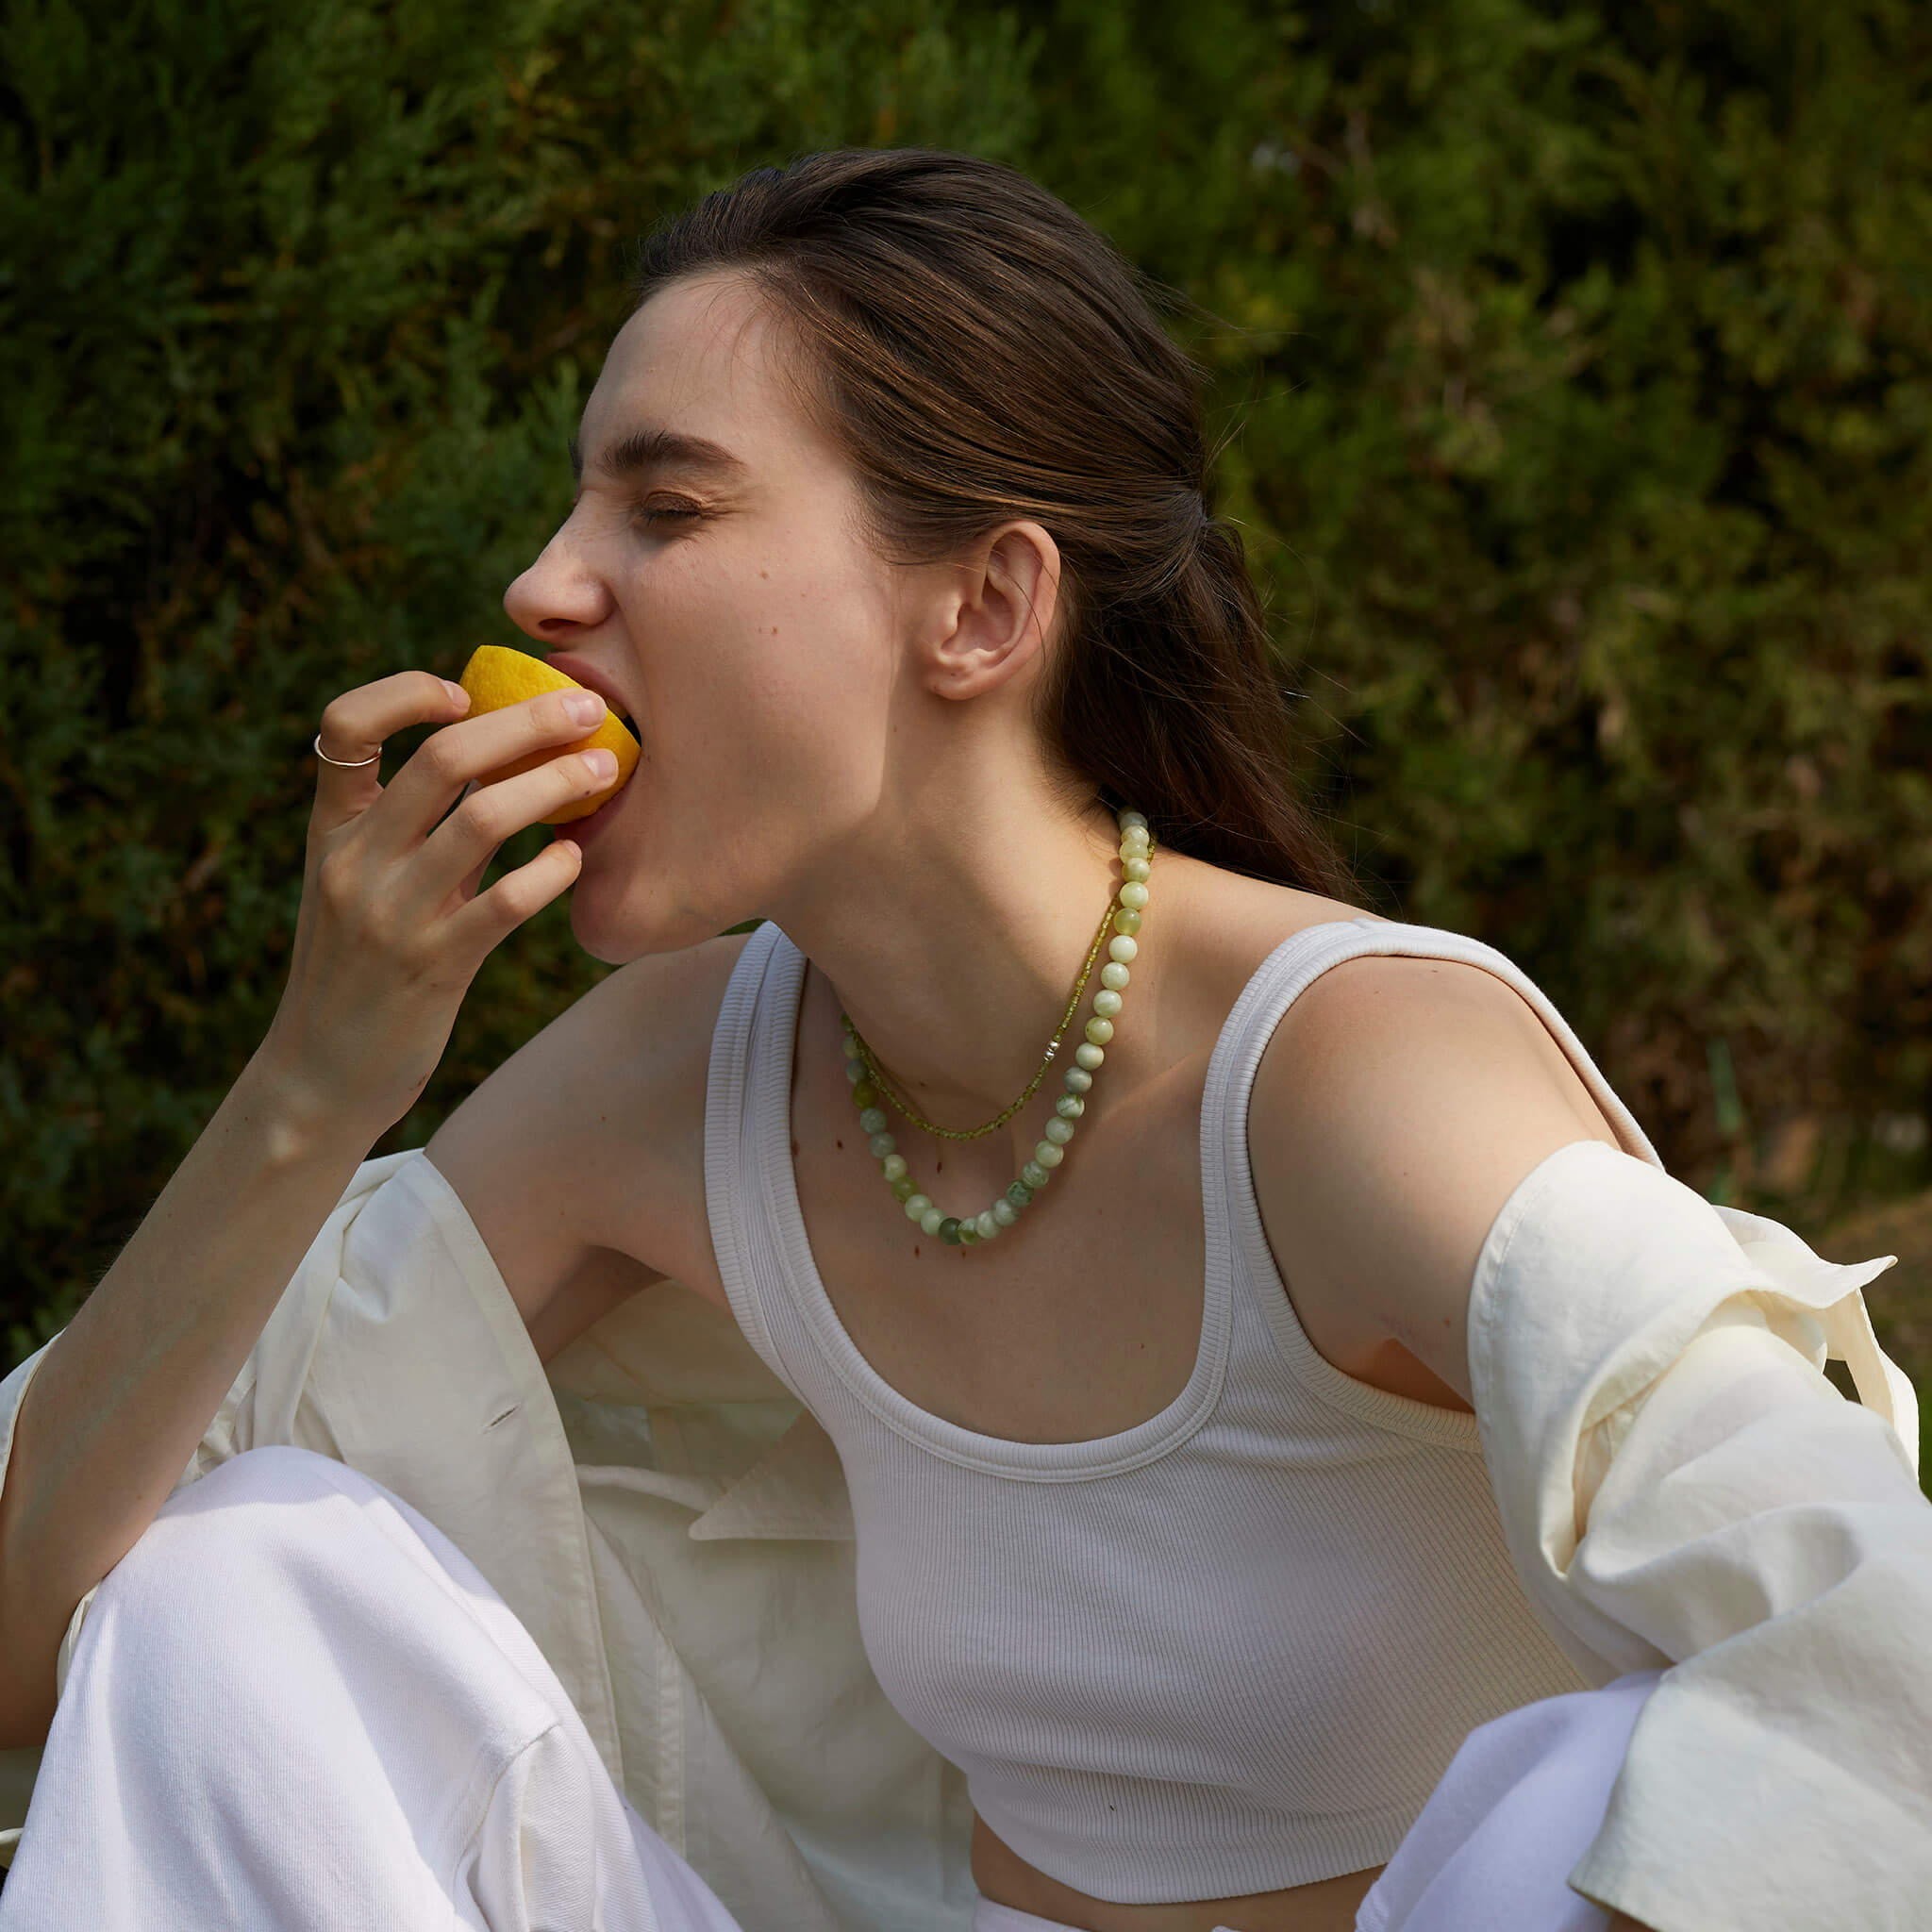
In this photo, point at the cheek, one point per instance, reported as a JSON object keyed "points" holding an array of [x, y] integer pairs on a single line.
{"points": [[764, 660], [787, 626]]}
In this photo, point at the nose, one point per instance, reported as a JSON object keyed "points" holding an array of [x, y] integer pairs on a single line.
{"points": [[557, 596]]}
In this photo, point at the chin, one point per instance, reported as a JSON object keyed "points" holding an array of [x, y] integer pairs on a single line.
{"points": [[615, 934]]}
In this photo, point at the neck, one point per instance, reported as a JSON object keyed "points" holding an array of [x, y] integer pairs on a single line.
{"points": [[954, 943]]}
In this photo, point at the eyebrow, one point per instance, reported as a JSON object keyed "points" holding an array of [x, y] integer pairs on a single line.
{"points": [[659, 449]]}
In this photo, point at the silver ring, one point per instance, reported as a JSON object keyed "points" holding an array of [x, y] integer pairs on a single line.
{"points": [[345, 764]]}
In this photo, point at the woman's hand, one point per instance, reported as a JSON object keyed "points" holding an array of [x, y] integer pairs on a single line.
{"points": [[391, 929]]}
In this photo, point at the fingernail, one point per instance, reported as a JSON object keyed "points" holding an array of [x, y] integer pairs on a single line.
{"points": [[586, 707], [457, 695], [601, 763]]}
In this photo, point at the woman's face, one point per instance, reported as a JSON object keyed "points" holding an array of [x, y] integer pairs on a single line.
{"points": [[712, 572]]}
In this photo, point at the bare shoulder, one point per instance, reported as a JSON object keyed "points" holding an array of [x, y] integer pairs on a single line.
{"points": [[1399, 1103], [576, 1159]]}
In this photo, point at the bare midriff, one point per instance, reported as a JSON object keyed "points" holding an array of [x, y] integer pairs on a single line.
{"points": [[1003, 1875]]}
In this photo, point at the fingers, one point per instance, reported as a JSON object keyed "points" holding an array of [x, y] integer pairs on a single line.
{"points": [[467, 890], [447, 873], [515, 897], [496, 746], [354, 726], [385, 948], [502, 769], [478, 827]]}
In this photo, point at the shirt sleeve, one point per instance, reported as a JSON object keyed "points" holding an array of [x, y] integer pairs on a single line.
{"points": [[1681, 1488]]}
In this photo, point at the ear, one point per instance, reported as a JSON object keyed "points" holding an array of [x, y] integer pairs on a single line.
{"points": [[997, 611]]}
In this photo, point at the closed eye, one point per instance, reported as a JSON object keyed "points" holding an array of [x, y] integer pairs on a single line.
{"points": [[650, 514]]}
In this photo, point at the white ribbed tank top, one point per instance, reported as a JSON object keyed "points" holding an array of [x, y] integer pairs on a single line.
{"points": [[1229, 1650]]}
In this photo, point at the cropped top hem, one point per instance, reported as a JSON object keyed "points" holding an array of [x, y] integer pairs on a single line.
{"points": [[1194, 1871]]}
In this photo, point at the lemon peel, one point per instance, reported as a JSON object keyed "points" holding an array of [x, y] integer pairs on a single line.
{"points": [[497, 675]]}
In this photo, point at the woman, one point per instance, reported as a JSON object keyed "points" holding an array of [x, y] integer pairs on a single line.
{"points": [[1153, 1370]]}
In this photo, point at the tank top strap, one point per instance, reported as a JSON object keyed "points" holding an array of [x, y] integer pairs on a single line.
{"points": [[1231, 1208], [737, 1188], [1301, 958]]}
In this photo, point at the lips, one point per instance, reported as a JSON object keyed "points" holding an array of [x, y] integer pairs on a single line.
{"points": [[592, 678]]}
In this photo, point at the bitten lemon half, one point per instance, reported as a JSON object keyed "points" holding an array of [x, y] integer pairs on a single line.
{"points": [[496, 676]]}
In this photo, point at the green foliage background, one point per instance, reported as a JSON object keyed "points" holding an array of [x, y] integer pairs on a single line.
{"points": [[1574, 368]]}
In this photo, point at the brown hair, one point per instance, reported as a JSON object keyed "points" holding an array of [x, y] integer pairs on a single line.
{"points": [[985, 354]]}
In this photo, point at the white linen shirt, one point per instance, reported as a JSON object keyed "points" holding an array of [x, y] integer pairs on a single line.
{"points": [[1678, 1483]]}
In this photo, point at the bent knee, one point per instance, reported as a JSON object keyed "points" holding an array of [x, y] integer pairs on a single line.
{"points": [[274, 1473], [244, 1530]]}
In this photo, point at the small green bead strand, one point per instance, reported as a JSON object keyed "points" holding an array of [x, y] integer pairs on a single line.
{"points": [[966, 1231]]}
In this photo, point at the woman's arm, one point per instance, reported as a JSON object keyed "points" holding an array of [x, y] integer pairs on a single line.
{"points": [[119, 1400], [1397, 1107], [1678, 1483]]}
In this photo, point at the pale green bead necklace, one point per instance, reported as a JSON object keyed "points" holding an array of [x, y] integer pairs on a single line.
{"points": [[869, 1085]]}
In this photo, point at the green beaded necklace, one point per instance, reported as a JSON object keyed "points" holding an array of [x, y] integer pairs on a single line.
{"points": [[869, 1085]]}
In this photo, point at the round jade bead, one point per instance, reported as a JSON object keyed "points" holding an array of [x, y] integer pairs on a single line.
{"points": [[1078, 1080], [969, 1232], [1133, 894], [1004, 1213], [1124, 819], [1089, 1055], [1136, 835], [916, 1205], [1018, 1196], [1127, 921], [931, 1221], [1100, 1031], [1114, 976], [986, 1225], [866, 1094], [1059, 1131], [873, 1120], [1138, 870], [1070, 1106], [1122, 948], [1047, 1154], [881, 1146], [1035, 1174], [904, 1186], [1107, 1003], [894, 1165], [948, 1230], [855, 1071]]}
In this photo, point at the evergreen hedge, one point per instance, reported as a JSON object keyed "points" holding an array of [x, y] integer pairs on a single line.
{"points": [[1571, 359]]}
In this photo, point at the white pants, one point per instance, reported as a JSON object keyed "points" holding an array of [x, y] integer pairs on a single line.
{"points": [[296, 1704]]}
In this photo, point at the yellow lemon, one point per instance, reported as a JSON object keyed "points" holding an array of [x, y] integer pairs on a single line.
{"points": [[496, 676]]}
